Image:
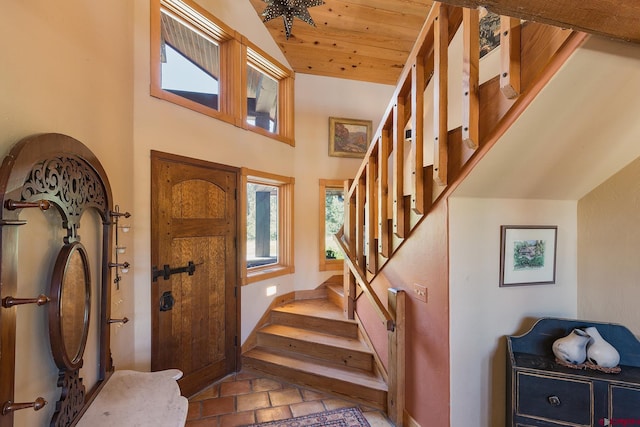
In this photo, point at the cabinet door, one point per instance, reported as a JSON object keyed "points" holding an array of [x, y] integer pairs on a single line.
{"points": [[625, 403]]}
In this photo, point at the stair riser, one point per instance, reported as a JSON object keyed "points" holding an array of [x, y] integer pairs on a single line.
{"points": [[339, 356], [367, 396], [335, 297], [343, 329]]}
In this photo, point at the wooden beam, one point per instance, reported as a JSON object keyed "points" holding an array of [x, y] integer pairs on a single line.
{"points": [[440, 94], [471, 78], [418, 86], [616, 19], [510, 56]]}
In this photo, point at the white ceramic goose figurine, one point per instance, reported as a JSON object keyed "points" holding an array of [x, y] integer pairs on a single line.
{"points": [[572, 348], [599, 351]]}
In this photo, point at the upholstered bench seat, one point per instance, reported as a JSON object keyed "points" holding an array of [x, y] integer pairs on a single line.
{"points": [[140, 399]]}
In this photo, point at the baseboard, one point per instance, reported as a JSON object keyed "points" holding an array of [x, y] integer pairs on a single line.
{"points": [[409, 421]]}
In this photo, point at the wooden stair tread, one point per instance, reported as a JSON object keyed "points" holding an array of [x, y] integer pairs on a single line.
{"points": [[319, 368], [307, 335], [322, 308]]}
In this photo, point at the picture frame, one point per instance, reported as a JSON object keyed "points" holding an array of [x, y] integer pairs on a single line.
{"points": [[527, 255], [349, 137]]}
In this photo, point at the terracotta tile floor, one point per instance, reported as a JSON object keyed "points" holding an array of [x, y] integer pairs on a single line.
{"points": [[248, 397]]}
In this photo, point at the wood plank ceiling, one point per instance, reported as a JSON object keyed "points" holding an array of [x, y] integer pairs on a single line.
{"points": [[366, 40], [370, 40]]}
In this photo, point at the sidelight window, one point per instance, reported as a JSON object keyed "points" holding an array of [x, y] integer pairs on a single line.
{"points": [[267, 225], [331, 220]]}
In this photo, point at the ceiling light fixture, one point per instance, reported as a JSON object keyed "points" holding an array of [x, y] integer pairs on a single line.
{"points": [[290, 9]]}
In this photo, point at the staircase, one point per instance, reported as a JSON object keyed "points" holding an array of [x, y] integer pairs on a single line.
{"points": [[309, 342]]}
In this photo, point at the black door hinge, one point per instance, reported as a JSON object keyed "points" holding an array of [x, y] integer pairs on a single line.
{"points": [[235, 340]]}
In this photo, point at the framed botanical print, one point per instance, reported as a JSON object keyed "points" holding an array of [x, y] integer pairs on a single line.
{"points": [[527, 255]]}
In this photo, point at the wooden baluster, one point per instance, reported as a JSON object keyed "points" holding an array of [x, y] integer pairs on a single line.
{"points": [[350, 232], [510, 56], [440, 93], [418, 86], [360, 206], [350, 217], [384, 236], [399, 223], [372, 245], [471, 78]]}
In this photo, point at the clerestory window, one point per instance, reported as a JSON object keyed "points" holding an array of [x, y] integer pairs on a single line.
{"points": [[199, 63]]}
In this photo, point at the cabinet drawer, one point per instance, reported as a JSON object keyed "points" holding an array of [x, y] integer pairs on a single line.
{"points": [[554, 399], [625, 403]]}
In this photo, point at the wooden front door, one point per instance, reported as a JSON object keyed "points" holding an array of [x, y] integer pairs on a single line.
{"points": [[194, 308]]}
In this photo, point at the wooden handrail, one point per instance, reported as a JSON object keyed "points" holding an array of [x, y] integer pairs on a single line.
{"points": [[361, 278], [397, 185]]}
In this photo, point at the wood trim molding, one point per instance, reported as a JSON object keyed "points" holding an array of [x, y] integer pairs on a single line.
{"points": [[285, 263], [325, 264]]}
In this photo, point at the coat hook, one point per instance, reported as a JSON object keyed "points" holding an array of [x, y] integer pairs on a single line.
{"points": [[10, 301], [9, 406]]}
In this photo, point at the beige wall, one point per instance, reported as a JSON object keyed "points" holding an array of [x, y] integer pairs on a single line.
{"points": [[89, 78], [66, 68], [482, 313], [160, 125], [608, 241]]}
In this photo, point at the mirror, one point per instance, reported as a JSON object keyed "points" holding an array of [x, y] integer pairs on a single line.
{"points": [[70, 306]]}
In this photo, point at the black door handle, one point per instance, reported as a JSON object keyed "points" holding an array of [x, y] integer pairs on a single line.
{"points": [[167, 301]]}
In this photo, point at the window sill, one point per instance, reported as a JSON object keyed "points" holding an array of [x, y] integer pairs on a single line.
{"points": [[331, 264], [259, 274]]}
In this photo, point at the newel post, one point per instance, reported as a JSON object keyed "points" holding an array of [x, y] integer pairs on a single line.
{"points": [[395, 395]]}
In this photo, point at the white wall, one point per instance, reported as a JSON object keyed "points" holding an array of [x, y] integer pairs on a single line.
{"points": [[608, 244], [482, 313], [317, 99], [160, 125]]}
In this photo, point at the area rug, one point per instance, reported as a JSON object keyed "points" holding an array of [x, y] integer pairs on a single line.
{"points": [[344, 417]]}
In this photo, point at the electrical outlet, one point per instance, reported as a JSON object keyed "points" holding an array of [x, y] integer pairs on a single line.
{"points": [[420, 292]]}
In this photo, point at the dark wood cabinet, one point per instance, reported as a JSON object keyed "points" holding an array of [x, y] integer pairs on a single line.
{"points": [[541, 392]]}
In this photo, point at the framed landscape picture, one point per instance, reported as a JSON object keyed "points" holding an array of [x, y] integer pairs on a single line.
{"points": [[349, 137], [527, 255]]}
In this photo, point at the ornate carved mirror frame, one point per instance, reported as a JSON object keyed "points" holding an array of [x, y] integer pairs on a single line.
{"points": [[39, 172]]}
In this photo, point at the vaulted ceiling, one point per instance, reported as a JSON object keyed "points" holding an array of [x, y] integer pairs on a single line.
{"points": [[367, 40], [370, 40]]}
